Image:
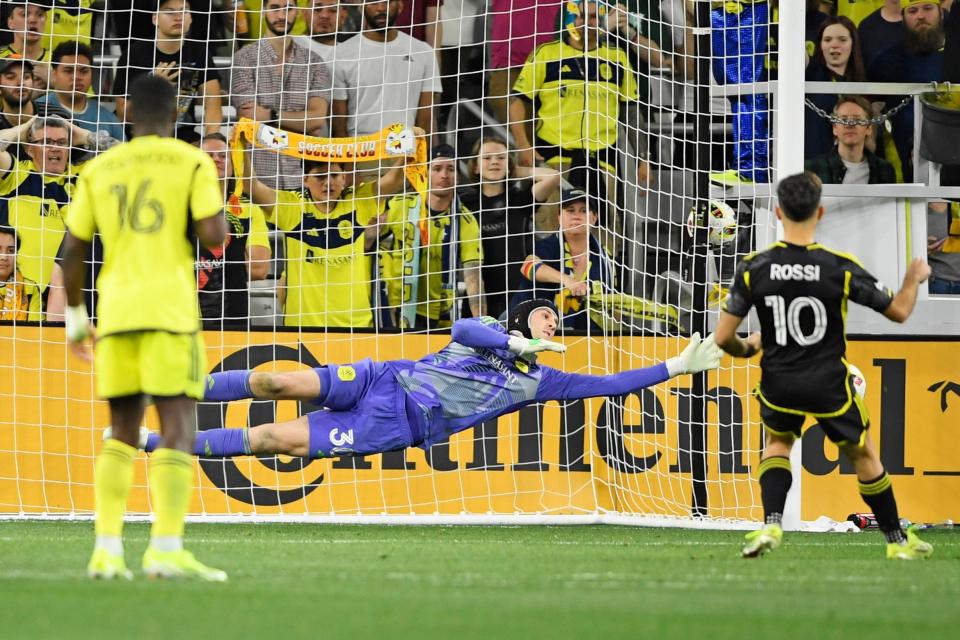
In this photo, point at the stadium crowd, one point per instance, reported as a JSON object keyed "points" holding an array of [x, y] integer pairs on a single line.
{"points": [[513, 187]]}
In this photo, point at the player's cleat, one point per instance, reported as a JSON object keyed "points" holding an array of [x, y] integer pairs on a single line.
{"points": [[179, 564], [104, 565], [913, 549], [141, 438], [762, 540]]}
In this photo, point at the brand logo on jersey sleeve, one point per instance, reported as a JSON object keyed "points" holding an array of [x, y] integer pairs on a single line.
{"points": [[347, 374]]}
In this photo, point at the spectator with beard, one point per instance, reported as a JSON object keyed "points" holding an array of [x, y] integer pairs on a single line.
{"points": [[16, 92], [384, 76], [224, 272], [919, 58], [505, 199], [278, 81], [881, 30], [185, 63], [836, 58], [327, 18]]}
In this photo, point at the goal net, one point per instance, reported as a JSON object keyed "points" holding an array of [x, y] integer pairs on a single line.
{"points": [[610, 157]]}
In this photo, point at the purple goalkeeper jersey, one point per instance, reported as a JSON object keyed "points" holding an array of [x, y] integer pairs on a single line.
{"points": [[476, 378]]}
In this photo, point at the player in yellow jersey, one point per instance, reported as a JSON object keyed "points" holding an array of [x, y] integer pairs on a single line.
{"points": [[147, 199]]}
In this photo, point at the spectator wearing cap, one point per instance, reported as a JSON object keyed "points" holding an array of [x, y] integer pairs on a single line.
{"points": [[918, 58], [20, 298], [425, 255], [881, 30], [27, 22], [278, 81], [327, 278], [16, 91], [836, 58], [71, 76], [570, 264], [383, 76], [849, 162], [504, 198]]}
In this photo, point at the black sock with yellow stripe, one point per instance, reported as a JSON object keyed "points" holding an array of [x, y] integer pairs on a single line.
{"points": [[878, 494], [775, 480]]}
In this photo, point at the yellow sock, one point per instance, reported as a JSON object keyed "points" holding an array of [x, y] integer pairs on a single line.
{"points": [[112, 477], [171, 483]]}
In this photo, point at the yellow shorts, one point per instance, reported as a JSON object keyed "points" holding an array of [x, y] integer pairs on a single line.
{"points": [[151, 362]]}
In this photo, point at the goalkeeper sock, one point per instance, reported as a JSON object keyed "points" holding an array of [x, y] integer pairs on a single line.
{"points": [[228, 385], [775, 480], [222, 443], [878, 494], [213, 443], [171, 483], [113, 475]]}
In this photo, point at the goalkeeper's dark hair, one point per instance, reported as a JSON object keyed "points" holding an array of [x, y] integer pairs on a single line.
{"points": [[799, 196], [519, 317], [153, 105]]}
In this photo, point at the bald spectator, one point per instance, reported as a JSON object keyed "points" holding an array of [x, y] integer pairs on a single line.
{"points": [[278, 81]]}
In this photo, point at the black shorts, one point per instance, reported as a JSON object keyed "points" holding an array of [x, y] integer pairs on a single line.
{"points": [[846, 426]]}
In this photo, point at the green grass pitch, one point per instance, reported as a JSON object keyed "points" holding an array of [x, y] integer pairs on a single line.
{"points": [[320, 581]]}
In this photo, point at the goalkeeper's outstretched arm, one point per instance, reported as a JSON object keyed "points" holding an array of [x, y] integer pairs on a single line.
{"points": [[699, 355]]}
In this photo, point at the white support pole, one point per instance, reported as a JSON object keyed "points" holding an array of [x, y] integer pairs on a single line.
{"points": [[788, 159]]}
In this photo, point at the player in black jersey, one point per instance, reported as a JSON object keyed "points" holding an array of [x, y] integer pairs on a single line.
{"points": [[800, 290]]}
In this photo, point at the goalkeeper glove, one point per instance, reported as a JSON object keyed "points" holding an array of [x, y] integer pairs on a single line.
{"points": [[77, 323], [525, 347], [699, 355]]}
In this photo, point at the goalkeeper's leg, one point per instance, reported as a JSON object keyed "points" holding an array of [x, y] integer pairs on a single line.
{"points": [[241, 384]]}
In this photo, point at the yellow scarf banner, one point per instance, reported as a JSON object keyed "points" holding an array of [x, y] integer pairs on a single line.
{"points": [[395, 141]]}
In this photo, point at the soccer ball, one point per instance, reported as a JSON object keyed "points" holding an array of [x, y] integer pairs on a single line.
{"points": [[859, 382], [721, 223]]}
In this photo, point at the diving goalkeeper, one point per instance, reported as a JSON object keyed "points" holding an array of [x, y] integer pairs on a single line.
{"points": [[375, 407]]}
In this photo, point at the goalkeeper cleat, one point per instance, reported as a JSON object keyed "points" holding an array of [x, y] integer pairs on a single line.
{"points": [[104, 565], [179, 564], [762, 540], [141, 438], [913, 549]]}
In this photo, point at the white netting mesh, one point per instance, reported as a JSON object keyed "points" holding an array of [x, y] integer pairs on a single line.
{"points": [[530, 104]]}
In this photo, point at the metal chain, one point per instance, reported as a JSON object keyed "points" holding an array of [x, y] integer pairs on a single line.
{"points": [[829, 117]]}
